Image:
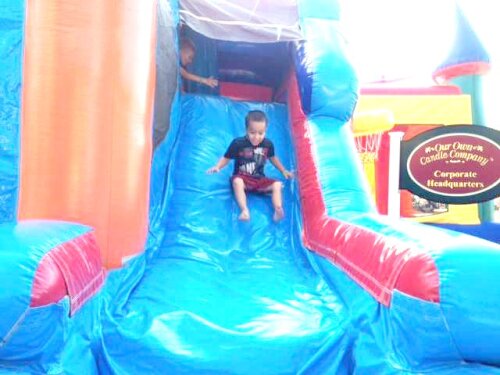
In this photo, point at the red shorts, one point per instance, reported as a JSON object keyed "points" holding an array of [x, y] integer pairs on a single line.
{"points": [[255, 184]]}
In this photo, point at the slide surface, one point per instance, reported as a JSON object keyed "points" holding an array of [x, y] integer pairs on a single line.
{"points": [[224, 296], [221, 296]]}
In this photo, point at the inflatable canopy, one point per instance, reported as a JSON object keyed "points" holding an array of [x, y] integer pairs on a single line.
{"points": [[106, 155]]}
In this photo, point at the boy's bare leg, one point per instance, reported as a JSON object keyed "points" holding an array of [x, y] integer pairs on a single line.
{"points": [[241, 198], [277, 201]]}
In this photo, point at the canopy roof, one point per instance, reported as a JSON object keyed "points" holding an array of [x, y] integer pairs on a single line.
{"points": [[258, 21]]}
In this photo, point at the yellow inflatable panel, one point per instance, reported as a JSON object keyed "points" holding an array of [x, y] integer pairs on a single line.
{"points": [[370, 122], [416, 110], [420, 109]]}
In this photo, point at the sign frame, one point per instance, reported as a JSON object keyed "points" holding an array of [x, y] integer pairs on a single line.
{"points": [[409, 149]]}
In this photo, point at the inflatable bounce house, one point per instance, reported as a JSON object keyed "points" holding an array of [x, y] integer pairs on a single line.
{"points": [[119, 254], [395, 107]]}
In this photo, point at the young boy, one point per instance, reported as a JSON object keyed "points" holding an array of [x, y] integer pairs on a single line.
{"points": [[250, 154], [187, 53]]}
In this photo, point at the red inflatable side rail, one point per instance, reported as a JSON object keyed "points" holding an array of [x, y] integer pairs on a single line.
{"points": [[72, 269], [378, 263]]}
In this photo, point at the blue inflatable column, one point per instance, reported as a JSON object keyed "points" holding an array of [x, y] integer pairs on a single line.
{"points": [[11, 51], [327, 80], [329, 92]]}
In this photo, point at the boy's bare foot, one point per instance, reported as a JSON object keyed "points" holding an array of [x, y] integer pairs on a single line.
{"points": [[244, 216], [279, 214]]}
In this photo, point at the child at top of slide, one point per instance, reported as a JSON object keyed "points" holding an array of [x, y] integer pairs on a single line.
{"points": [[187, 52]]}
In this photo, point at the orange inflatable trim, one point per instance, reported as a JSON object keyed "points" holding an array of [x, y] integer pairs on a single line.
{"points": [[88, 92]]}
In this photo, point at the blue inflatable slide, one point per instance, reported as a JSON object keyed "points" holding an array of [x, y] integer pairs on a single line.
{"points": [[333, 288]]}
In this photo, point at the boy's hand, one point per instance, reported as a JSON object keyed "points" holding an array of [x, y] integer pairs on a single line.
{"points": [[210, 82], [287, 174], [213, 170]]}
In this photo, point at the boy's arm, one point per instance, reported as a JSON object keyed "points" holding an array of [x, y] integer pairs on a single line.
{"points": [[277, 163], [211, 82], [223, 161]]}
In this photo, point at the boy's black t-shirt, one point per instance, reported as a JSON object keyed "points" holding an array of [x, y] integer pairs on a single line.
{"points": [[249, 159]]}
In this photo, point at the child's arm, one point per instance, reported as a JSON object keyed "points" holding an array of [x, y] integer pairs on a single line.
{"points": [[277, 163], [210, 81], [220, 164]]}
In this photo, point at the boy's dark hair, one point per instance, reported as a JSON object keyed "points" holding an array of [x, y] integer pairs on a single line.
{"points": [[256, 115], [187, 43]]}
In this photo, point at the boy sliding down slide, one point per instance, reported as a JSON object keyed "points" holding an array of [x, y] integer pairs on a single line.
{"points": [[250, 154]]}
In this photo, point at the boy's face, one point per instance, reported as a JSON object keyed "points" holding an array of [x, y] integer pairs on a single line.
{"points": [[187, 56], [256, 131]]}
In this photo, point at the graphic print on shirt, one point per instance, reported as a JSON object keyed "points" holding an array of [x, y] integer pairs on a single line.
{"points": [[249, 159], [252, 160], [248, 168]]}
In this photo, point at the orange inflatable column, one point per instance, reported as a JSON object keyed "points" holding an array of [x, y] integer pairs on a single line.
{"points": [[88, 92]]}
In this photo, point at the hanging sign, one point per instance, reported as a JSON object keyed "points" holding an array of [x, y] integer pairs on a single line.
{"points": [[456, 164]]}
